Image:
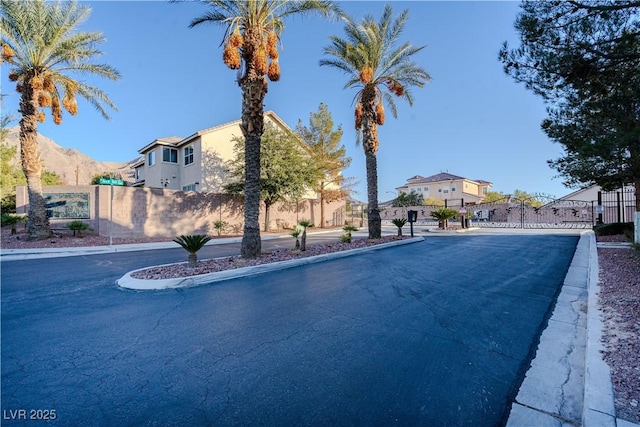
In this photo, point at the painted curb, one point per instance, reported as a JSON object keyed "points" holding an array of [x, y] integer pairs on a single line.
{"points": [[129, 282]]}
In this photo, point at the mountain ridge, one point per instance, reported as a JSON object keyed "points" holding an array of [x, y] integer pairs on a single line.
{"points": [[73, 166]]}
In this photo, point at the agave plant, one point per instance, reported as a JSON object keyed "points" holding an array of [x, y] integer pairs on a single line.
{"points": [[399, 222], [192, 244]]}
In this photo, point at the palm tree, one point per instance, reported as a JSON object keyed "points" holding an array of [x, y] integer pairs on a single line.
{"points": [[253, 28], [379, 67], [192, 243], [44, 49]]}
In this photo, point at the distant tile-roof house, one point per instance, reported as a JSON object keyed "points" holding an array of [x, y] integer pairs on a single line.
{"points": [[195, 163], [445, 186]]}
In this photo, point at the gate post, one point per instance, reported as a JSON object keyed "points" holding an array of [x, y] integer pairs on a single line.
{"points": [[600, 207], [618, 206]]}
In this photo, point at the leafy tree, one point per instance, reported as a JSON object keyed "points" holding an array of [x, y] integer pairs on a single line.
{"points": [[286, 169], [43, 49], [432, 201], [583, 59], [379, 66], [252, 30], [493, 196], [327, 155], [11, 176], [408, 199]]}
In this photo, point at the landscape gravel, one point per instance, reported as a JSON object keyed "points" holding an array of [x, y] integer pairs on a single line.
{"points": [[229, 263], [619, 278]]}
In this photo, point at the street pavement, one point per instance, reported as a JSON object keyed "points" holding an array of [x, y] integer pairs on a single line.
{"points": [[441, 332]]}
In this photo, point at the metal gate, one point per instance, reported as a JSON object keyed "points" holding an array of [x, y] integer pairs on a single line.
{"points": [[535, 212]]}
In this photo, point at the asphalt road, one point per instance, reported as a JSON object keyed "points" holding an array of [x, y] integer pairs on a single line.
{"points": [[433, 333]]}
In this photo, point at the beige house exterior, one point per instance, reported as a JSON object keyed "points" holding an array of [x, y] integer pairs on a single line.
{"points": [[195, 163], [445, 186]]}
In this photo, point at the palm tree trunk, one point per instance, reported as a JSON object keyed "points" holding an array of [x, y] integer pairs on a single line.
{"points": [[370, 144], [375, 222], [252, 127], [37, 220], [193, 260]]}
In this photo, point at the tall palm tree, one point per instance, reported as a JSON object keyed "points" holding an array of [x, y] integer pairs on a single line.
{"points": [[253, 28], [379, 67], [44, 49]]}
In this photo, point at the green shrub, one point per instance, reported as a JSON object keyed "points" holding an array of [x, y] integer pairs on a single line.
{"points": [[78, 226], [12, 220], [296, 233], [614, 229], [346, 238], [220, 226]]}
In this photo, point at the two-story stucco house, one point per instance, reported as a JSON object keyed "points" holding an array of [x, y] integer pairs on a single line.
{"points": [[445, 186], [195, 163]]}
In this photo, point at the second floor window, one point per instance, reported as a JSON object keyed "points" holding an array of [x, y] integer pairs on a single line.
{"points": [[152, 158], [169, 155], [188, 155]]}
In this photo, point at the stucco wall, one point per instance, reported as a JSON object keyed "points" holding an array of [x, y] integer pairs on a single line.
{"points": [[153, 212]]}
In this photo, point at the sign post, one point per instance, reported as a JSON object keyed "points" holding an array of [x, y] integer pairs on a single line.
{"points": [[462, 212], [111, 182]]}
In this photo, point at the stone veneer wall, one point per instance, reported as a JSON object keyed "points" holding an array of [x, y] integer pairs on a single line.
{"points": [[153, 212]]}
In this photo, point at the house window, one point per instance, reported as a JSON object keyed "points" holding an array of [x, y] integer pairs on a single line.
{"points": [[453, 189], [151, 158], [169, 155], [484, 191], [191, 187], [188, 155]]}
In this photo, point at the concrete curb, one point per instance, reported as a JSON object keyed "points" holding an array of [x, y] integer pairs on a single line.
{"points": [[23, 254], [568, 383], [129, 282], [599, 405]]}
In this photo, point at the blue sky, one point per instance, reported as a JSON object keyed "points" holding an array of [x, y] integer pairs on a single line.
{"points": [[471, 120]]}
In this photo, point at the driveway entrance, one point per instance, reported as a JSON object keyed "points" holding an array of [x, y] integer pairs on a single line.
{"points": [[434, 333]]}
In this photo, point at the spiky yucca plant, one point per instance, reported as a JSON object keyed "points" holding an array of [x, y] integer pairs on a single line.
{"points": [[192, 243]]}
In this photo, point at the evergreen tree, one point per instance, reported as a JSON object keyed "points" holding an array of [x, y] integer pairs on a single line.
{"points": [[328, 155]]}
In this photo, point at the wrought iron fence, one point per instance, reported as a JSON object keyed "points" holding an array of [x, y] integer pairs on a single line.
{"points": [[616, 206]]}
